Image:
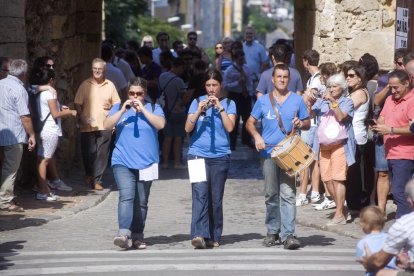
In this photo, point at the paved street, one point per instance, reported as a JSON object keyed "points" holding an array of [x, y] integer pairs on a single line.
{"points": [[81, 243]]}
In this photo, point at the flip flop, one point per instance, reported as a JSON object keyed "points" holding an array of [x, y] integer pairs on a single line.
{"points": [[13, 208]]}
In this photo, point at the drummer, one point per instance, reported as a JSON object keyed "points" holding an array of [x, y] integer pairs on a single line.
{"points": [[280, 190]]}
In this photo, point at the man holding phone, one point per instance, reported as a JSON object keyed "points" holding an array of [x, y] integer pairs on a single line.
{"points": [[394, 125]]}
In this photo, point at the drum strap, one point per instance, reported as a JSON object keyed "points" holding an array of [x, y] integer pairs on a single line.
{"points": [[279, 119]]}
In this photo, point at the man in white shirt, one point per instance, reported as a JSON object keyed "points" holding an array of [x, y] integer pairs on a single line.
{"points": [[113, 73]]}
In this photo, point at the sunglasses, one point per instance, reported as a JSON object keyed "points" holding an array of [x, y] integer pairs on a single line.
{"points": [[219, 47], [350, 76], [400, 63], [49, 65], [135, 94], [192, 38]]}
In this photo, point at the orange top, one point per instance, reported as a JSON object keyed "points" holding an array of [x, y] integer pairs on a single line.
{"points": [[96, 100]]}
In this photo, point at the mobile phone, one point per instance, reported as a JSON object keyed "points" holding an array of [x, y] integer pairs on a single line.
{"points": [[371, 122]]}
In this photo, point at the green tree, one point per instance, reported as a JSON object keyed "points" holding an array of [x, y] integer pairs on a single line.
{"points": [[121, 19], [152, 26]]}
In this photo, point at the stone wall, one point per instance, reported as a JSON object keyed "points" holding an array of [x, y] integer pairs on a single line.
{"points": [[70, 33], [346, 29]]}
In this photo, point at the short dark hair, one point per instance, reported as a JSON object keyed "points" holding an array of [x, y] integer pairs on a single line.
{"points": [[141, 82], [178, 62], [370, 64], [346, 65], [213, 74], [176, 43], [312, 57], [282, 67], [400, 53], [145, 51], [408, 57], [280, 52], [191, 33], [161, 34], [4, 60], [402, 75], [106, 52], [327, 68]]}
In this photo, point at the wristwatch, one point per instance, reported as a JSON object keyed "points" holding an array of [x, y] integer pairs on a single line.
{"points": [[221, 109], [334, 105]]}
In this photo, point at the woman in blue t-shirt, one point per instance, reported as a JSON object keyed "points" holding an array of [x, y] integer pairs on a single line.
{"points": [[134, 160], [210, 120]]}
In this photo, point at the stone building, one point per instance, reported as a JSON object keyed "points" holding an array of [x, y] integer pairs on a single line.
{"points": [[70, 32]]}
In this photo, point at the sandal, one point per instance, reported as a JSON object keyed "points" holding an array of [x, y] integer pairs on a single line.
{"points": [[13, 208]]}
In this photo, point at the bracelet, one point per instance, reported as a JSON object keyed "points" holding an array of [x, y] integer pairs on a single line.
{"points": [[221, 109], [392, 130]]}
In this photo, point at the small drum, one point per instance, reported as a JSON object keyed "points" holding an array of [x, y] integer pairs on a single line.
{"points": [[292, 155]]}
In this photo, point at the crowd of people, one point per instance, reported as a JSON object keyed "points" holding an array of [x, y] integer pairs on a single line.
{"points": [[142, 101]]}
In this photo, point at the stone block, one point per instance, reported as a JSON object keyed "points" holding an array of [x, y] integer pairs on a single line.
{"points": [[14, 50], [388, 18], [59, 23], [358, 6], [15, 8], [379, 44], [368, 21], [90, 5], [12, 30], [343, 24], [72, 48]]}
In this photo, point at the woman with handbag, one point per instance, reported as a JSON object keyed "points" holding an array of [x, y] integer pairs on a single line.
{"points": [[335, 142], [210, 120]]}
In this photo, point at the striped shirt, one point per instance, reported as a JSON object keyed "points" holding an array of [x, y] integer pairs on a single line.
{"points": [[401, 235], [13, 104]]}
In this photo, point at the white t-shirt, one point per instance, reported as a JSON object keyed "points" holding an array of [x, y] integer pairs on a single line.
{"points": [[314, 82], [115, 75], [51, 125]]}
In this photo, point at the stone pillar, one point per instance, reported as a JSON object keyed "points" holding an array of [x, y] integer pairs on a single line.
{"points": [[12, 29], [343, 30]]}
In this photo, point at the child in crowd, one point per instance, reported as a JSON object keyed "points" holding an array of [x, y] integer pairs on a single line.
{"points": [[372, 221]]}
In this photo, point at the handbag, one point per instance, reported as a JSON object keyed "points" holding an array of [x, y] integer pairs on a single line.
{"points": [[330, 131]]}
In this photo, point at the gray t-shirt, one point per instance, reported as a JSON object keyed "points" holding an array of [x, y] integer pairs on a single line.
{"points": [[173, 88], [266, 85]]}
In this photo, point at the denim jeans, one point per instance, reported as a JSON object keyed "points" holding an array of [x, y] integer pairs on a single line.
{"points": [[95, 148], [401, 171], [133, 201], [207, 207], [280, 193]]}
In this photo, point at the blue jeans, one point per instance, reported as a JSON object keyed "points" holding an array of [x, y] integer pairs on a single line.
{"points": [[401, 171], [207, 207], [133, 201], [280, 193]]}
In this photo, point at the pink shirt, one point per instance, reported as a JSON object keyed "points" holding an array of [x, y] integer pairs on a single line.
{"points": [[397, 114]]}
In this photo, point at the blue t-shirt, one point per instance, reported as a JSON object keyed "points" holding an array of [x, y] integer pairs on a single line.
{"points": [[266, 85], [272, 135], [136, 142], [210, 139], [375, 242]]}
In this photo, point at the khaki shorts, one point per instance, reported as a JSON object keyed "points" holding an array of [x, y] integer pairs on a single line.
{"points": [[332, 163]]}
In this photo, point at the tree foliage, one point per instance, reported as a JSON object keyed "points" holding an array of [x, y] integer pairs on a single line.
{"points": [[152, 26], [261, 23], [121, 18]]}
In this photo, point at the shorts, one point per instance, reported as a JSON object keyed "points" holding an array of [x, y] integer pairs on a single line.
{"points": [[332, 163], [47, 144], [175, 124], [405, 273], [308, 136], [381, 164]]}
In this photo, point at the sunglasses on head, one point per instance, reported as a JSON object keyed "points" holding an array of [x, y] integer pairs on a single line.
{"points": [[132, 93], [350, 75]]}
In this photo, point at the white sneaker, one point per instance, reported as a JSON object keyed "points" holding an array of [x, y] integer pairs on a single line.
{"points": [[59, 185], [46, 197], [315, 198], [325, 205], [301, 201]]}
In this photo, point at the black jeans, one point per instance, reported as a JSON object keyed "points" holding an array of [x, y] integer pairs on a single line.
{"points": [[95, 153], [243, 107]]}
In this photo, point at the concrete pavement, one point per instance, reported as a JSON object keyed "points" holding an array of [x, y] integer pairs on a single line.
{"points": [[245, 168]]}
